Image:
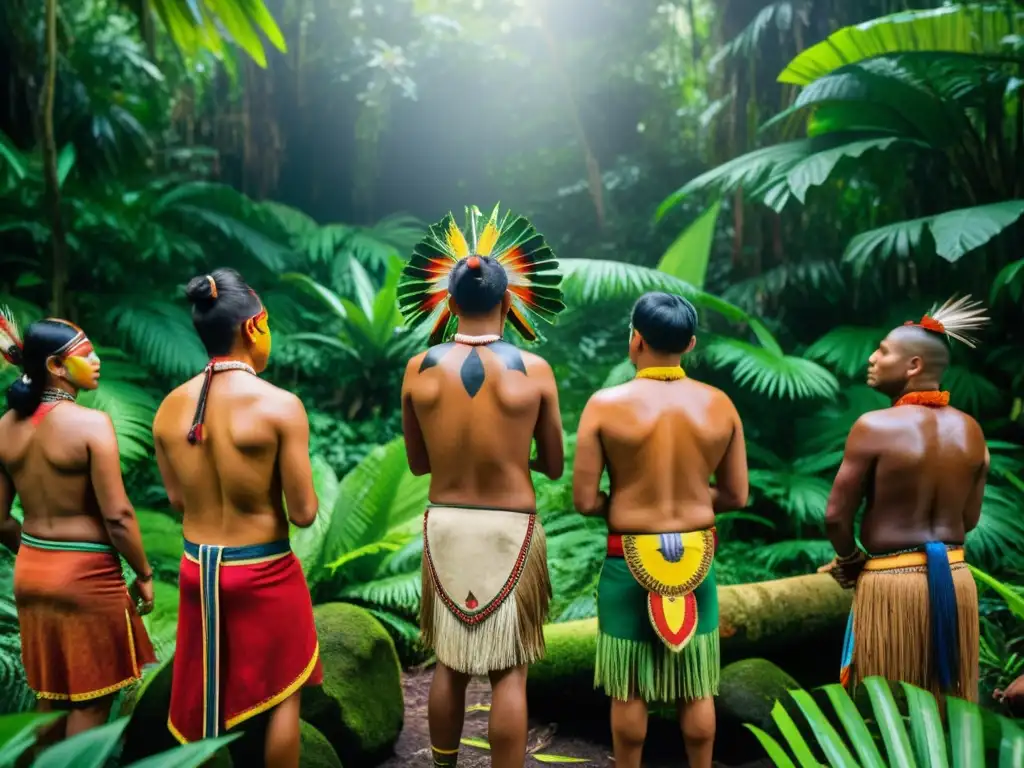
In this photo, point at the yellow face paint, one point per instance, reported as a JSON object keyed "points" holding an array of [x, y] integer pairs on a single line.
{"points": [[257, 328], [81, 364]]}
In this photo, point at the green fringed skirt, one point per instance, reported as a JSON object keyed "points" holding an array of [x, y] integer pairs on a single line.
{"points": [[632, 662]]}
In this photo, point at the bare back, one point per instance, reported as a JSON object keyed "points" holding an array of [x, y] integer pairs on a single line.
{"points": [[230, 483], [478, 445], [928, 474], [662, 441], [50, 466]]}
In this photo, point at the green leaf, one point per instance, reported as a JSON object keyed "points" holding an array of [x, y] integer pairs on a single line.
{"points": [[473, 742], [1014, 599], [1011, 744], [775, 751], [999, 535], [308, 543], [846, 349], [789, 731], [966, 733], [769, 373], [1008, 279], [828, 739], [890, 723], [687, 258], [89, 749], [18, 733], [589, 281], [329, 298], [954, 29], [860, 737], [186, 755], [926, 728], [955, 232], [65, 162]]}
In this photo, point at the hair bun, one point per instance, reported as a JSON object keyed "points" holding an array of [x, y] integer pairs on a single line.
{"points": [[473, 263], [201, 291]]}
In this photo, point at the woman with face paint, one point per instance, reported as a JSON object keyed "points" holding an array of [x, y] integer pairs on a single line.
{"points": [[232, 450], [82, 637]]}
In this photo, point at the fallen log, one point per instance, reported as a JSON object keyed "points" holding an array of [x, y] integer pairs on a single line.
{"points": [[796, 623]]}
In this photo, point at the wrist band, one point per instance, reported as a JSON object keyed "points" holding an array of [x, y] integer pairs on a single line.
{"points": [[144, 577]]}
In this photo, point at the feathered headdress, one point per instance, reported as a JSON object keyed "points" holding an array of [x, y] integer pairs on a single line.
{"points": [[10, 337], [954, 318], [529, 263]]}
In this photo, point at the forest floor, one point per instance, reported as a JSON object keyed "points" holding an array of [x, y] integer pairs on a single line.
{"points": [[547, 738]]}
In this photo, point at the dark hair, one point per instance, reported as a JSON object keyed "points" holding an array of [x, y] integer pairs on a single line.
{"points": [[42, 340], [221, 302], [665, 321], [478, 284]]}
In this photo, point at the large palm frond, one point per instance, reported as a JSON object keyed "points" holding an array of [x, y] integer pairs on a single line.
{"points": [[999, 536], [161, 333], [961, 28], [769, 372], [846, 349], [955, 233]]}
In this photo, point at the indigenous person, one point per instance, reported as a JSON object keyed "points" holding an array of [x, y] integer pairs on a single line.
{"points": [[661, 436], [470, 409], [82, 637], [229, 445], [921, 465], [1013, 696]]}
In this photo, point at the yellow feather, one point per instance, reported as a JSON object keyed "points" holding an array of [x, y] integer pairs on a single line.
{"points": [[487, 239], [457, 241]]}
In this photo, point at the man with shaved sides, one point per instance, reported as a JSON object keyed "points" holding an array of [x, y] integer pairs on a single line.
{"points": [[471, 408], [661, 437], [920, 466]]}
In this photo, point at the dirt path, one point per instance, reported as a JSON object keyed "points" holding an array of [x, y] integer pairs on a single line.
{"points": [[546, 738]]}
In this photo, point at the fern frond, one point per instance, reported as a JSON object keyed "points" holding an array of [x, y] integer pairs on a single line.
{"points": [[769, 373], [846, 348]]}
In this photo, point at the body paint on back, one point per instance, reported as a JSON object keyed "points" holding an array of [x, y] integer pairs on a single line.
{"points": [[472, 371]]}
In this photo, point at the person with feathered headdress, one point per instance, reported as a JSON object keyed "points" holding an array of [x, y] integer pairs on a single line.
{"points": [[82, 635], [921, 465], [471, 407]]}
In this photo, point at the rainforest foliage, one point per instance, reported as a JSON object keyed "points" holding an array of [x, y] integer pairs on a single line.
{"points": [[809, 172]]}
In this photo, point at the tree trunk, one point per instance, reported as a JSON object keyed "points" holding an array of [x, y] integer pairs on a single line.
{"points": [[798, 623], [60, 265]]}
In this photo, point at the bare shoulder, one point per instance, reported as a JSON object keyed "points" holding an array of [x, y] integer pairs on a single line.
{"points": [[536, 365], [90, 422], [415, 363], [715, 396], [280, 403], [174, 400]]}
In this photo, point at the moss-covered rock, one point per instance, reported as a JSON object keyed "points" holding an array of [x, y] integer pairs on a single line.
{"points": [[360, 708], [797, 623], [749, 690], [317, 751]]}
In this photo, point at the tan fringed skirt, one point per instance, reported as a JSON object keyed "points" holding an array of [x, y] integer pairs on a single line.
{"points": [[892, 624], [486, 588]]}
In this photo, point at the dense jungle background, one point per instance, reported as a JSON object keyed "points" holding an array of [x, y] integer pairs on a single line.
{"points": [[806, 186]]}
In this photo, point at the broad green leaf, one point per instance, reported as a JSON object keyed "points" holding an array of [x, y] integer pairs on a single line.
{"points": [[308, 543], [768, 373], [589, 281], [1014, 599], [801, 751], [966, 733], [332, 300], [89, 749], [954, 29], [1011, 744], [926, 728], [687, 258], [473, 742], [65, 162], [955, 233], [890, 723], [186, 755], [828, 739], [18, 733], [775, 751], [860, 737], [1008, 279], [846, 348]]}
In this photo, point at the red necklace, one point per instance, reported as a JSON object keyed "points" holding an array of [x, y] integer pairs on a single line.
{"points": [[931, 398]]}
